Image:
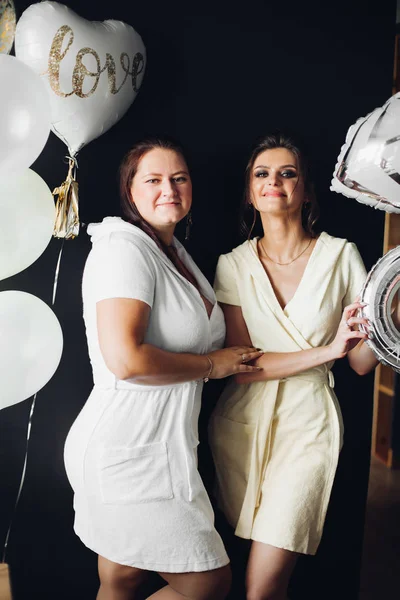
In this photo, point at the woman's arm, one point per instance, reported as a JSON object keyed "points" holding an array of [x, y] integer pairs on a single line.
{"points": [[361, 358], [278, 365], [121, 326]]}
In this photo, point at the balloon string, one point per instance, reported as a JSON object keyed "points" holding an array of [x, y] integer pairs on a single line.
{"points": [[22, 477], [57, 273], [72, 158], [28, 433]]}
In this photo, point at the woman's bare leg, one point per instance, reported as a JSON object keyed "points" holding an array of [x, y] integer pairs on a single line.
{"points": [[268, 572], [118, 582], [207, 585]]}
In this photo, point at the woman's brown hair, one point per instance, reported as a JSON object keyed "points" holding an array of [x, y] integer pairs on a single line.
{"points": [[310, 209]]}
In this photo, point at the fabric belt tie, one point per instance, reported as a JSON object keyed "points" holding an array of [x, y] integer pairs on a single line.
{"points": [[314, 377]]}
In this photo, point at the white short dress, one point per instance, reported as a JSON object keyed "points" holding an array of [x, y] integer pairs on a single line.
{"points": [[131, 454]]}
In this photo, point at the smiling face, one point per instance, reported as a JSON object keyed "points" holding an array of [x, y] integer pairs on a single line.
{"points": [[276, 183], [162, 189]]}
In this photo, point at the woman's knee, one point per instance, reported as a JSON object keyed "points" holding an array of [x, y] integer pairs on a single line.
{"points": [[116, 576], [206, 585], [216, 588]]}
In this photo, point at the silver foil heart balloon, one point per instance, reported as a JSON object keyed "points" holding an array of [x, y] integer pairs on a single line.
{"points": [[368, 167]]}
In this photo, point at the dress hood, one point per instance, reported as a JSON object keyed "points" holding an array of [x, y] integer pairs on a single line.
{"points": [[112, 225], [109, 225]]}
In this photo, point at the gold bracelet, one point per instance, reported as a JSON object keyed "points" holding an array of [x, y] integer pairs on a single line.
{"points": [[207, 377]]}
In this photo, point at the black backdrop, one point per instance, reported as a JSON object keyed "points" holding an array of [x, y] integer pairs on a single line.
{"points": [[218, 75]]}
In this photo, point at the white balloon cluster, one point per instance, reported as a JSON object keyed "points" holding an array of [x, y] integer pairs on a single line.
{"points": [[28, 327], [77, 78]]}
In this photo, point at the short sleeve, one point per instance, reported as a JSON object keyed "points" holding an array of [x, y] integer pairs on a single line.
{"points": [[225, 285], [119, 268], [355, 274]]}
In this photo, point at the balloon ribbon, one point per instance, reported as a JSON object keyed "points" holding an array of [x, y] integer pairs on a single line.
{"points": [[67, 205]]}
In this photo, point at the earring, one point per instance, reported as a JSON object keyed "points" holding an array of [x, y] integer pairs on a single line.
{"points": [[189, 223], [254, 220]]}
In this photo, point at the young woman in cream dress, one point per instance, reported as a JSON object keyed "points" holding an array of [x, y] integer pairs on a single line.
{"points": [[276, 434], [154, 332]]}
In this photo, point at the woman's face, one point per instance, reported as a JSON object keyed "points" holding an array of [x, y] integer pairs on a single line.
{"points": [[162, 189], [276, 183]]}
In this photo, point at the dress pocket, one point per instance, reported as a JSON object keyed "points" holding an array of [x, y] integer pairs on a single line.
{"points": [[135, 475]]}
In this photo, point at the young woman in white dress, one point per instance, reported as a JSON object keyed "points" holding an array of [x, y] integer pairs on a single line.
{"points": [[154, 333], [276, 434]]}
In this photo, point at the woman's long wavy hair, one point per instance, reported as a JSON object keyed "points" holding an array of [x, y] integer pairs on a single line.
{"points": [[127, 172], [310, 209]]}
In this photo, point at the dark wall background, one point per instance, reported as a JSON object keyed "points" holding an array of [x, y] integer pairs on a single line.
{"points": [[218, 75]]}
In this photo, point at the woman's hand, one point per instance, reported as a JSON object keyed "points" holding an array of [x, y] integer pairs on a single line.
{"points": [[230, 361], [346, 337]]}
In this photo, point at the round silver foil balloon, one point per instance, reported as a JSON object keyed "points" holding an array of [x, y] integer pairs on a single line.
{"points": [[381, 292]]}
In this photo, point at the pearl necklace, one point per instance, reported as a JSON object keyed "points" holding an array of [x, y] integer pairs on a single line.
{"points": [[288, 263]]}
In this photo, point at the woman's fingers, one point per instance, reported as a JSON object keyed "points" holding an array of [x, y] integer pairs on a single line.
{"points": [[351, 308], [356, 334], [357, 321], [245, 349], [248, 368], [251, 355]]}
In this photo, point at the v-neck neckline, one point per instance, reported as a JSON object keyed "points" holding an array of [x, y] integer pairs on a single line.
{"points": [[199, 277], [253, 246], [111, 225]]}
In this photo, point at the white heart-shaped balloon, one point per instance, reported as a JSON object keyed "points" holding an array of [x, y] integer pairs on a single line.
{"points": [[368, 167], [92, 70]]}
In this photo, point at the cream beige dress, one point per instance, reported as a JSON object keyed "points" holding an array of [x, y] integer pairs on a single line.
{"points": [[276, 443]]}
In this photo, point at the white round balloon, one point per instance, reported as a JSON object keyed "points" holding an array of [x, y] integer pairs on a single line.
{"points": [[92, 70], [27, 216], [31, 345], [24, 115], [368, 167]]}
